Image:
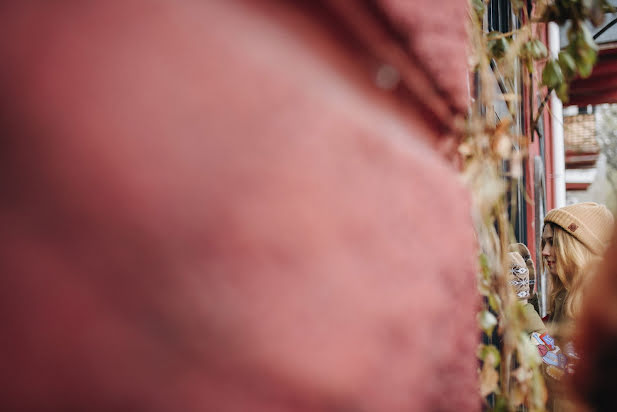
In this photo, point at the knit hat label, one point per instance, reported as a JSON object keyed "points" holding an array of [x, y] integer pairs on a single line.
{"points": [[573, 227]]}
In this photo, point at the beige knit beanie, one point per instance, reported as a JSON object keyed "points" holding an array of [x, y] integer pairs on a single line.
{"points": [[589, 222]]}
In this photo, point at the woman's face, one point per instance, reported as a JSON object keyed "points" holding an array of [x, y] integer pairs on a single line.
{"points": [[548, 251]]}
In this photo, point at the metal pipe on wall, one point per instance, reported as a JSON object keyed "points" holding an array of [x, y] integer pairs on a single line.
{"points": [[559, 169]]}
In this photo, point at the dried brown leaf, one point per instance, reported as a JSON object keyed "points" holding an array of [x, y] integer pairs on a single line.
{"points": [[489, 378]]}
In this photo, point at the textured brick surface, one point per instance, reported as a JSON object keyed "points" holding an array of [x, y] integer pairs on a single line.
{"points": [[210, 206]]}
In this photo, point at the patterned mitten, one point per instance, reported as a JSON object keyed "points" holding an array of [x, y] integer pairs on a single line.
{"points": [[524, 252], [518, 275]]}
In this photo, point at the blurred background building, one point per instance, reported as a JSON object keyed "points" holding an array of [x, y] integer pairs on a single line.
{"points": [[589, 122]]}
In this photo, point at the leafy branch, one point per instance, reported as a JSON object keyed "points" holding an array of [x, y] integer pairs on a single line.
{"points": [[510, 367]]}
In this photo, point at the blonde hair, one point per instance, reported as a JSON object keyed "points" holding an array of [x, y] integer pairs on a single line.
{"points": [[573, 264]]}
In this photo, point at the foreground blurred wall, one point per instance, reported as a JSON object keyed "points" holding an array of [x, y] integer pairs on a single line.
{"points": [[593, 381], [234, 206]]}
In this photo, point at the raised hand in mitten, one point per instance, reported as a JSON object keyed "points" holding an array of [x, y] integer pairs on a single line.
{"points": [[518, 275], [526, 255]]}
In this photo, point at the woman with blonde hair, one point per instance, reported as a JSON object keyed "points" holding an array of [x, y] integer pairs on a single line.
{"points": [[573, 239]]}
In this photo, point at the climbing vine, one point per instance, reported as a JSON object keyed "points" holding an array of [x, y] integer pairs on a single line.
{"points": [[493, 153]]}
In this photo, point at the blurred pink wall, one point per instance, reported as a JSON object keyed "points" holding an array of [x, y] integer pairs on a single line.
{"points": [[234, 206]]}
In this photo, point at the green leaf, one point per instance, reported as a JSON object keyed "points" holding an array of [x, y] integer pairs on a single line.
{"points": [[562, 92], [587, 38], [501, 404], [532, 50], [552, 75], [567, 64], [537, 49], [498, 47], [490, 354], [486, 271], [487, 322], [478, 6], [585, 62], [529, 65], [494, 302]]}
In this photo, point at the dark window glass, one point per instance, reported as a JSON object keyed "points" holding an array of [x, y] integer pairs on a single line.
{"points": [[499, 16]]}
